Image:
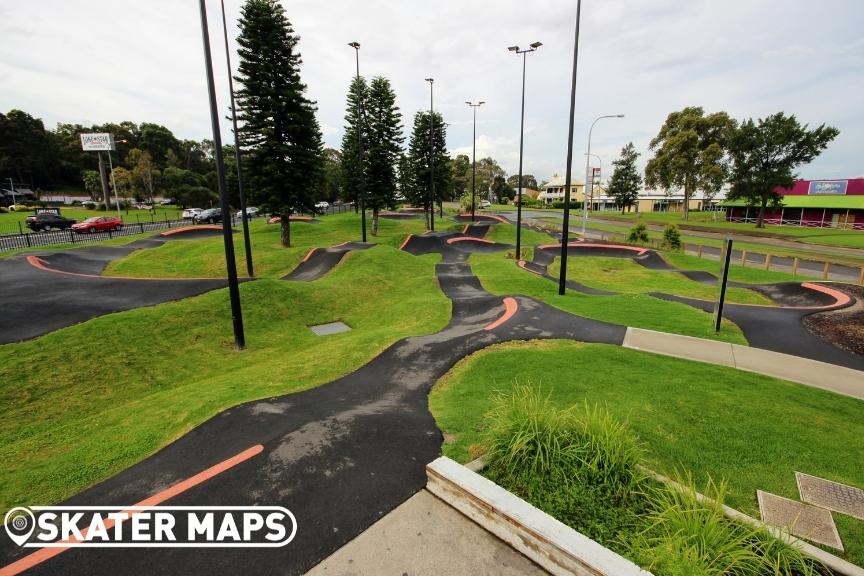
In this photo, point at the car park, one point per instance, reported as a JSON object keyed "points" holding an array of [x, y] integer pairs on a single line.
{"points": [[47, 221], [98, 224], [190, 213], [209, 216], [322, 205]]}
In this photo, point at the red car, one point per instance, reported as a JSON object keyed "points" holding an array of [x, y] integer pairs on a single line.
{"points": [[98, 224]]}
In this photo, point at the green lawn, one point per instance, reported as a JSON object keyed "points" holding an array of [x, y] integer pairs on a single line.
{"points": [[85, 402], [204, 258], [626, 276], [10, 219], [751, 430]]}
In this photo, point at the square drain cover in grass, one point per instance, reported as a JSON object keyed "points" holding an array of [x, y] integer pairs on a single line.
{"points": [[331, 328], [802, 520], [832, 495]]}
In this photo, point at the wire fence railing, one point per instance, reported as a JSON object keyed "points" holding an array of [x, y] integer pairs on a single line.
{"points": [[58, 237]]}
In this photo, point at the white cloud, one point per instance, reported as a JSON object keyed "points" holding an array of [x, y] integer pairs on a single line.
{"points": [[88, 61]]}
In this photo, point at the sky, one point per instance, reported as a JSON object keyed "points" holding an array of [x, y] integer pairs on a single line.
{"points": [[93, 61]]}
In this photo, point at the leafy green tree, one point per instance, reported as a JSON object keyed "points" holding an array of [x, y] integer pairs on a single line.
{"points": [[331, 189], [460, 170], [385, 145], [157, 141], [407, 178], [187, 187], [280, 134], [501, 190], [626, 180], [144, 173], [487, 171], [92, 183], [689, 153], [26, 150], [418, 152], [765, 155], [352, 178], [528, 181]]}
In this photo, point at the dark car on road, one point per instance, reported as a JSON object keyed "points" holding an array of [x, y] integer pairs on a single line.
{"points": [[48, 220], [209, 216]]}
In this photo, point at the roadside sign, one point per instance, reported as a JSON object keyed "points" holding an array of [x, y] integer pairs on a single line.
{"points": [[55, 211], [97, 141]]}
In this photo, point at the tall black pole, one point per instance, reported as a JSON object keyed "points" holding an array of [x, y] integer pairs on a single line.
{"points": [[233, 287], [521, 141], [718, 313], [361, 192], [246, 242], [431, 157], [562, 279]]}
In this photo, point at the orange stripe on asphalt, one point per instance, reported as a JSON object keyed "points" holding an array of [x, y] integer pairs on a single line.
{"points": [[510, 308], [187, 229], [522, 264], [841, 297], [309, 254], [465, 229], [44, 554], [40, 264], [405, 242], [469, 239]]}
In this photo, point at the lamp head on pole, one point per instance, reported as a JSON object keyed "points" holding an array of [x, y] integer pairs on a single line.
{"points": [[536, 45], [355, 45], [513, 49], [430, 80]]}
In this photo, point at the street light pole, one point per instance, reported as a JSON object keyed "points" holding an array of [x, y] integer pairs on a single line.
{"points": [[431, 157], [361, 192], [562, 279], [233, 286], [587, 167], [474, 159], [600, 161], [534, 46], [246, 242], [12, 188], [114, 184]]}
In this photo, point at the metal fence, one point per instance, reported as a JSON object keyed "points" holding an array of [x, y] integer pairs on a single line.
{"points": [[35, 239], [843, 224]]}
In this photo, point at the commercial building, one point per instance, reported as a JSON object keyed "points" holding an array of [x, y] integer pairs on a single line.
{"points": [[814, 203]]}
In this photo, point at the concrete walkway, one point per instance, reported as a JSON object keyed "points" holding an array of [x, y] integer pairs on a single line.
{"points": [[794, 368], [425, 536]]}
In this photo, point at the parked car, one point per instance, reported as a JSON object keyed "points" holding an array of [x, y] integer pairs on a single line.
{"points": [[89, 204], [166, 202], [251, 212], [98, 224], [322, 205], [485, 204], [144, 206], [190, 213], [209, 216], [48, 220]]}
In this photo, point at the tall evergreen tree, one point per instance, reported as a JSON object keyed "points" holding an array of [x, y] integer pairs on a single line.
{"points": [[418, 153], [626, 179], [352, 178], [385, 145], [280, 133]]}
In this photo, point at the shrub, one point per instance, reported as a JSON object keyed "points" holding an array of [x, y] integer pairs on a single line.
{"points": [[3, 210], [671, 237], [688, 536], [638, 234]]}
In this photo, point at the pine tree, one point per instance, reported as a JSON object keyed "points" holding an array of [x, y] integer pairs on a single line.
{"points": [[280, 132], [418, 153], [385, 145], [358, 94], [626, 179]]}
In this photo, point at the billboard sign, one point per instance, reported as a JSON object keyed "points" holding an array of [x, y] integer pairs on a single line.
{"points": [[97, 141], [824, 187]]}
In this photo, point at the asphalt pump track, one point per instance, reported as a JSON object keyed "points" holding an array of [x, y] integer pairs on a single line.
{"points": [[339, 456]]}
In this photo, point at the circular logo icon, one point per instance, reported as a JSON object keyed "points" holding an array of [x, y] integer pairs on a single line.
{"points": [[19, 523]]}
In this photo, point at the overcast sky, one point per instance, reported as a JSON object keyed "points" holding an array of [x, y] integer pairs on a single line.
{"points": [[94, 61]]}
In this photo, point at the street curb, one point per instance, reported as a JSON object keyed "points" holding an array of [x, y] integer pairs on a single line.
{"points": [[822, 375], [555, 547]]}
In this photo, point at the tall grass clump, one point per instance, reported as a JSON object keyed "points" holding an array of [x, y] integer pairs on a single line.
{"points": [[689, 536], [578, 465]]}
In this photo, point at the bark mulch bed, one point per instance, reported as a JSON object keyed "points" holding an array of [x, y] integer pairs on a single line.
{"points": [[843, 328]]}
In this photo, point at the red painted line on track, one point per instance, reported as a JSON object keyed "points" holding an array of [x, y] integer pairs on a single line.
{"points": [[465, 229], [469, 239], [522, 265], [40, 264], [589, 245], [309, 254], [841, 297], [495, 217], [188, 229], [405, 242], [44, 554], [510, 308]]}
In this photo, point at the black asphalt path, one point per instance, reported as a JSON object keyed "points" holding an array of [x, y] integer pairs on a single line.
{"points": [[339, 456], [38, 301], [320, 261]]}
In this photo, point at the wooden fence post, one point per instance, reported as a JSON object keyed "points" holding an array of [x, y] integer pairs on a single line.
{"points": [[795, 266], [861, 277], [768, 262], [699, 252], [743, 257], [825, 270]]}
